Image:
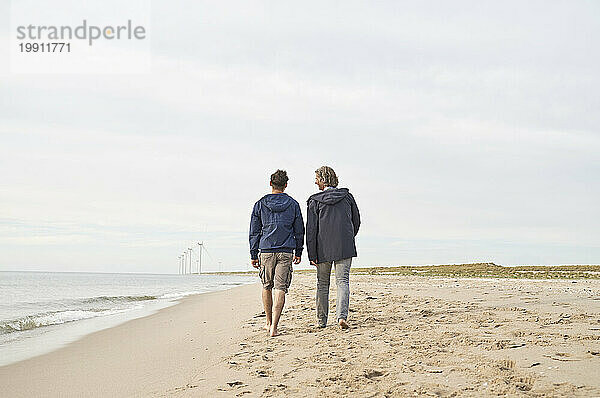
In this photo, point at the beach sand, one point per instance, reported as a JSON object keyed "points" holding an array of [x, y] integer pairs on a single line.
{"points": [[410, 336]]}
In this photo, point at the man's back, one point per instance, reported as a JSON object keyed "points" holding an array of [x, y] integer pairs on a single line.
{"points": [[276, 225], [333, 221]]}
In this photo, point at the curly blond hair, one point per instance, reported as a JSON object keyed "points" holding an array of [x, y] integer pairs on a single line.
{"points": [[327, 176]]}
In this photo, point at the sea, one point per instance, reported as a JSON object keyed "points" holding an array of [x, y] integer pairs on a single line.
{"points": [[43, 311]]}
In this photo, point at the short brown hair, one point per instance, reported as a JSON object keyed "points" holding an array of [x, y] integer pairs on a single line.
{"points": [[327, 176], [279, 180]]}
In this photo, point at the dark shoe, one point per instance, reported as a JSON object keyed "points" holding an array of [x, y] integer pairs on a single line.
{"points": [[343, 324]]}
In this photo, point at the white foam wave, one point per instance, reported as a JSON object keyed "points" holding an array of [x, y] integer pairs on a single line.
{"points": [[56, 318]]}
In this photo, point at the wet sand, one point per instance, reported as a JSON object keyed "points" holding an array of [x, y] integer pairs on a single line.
{"points": [[409, 336]]}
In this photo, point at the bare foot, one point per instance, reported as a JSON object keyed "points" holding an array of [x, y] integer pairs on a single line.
{"points": [[267, 327], [273, 331], [343, 324]]}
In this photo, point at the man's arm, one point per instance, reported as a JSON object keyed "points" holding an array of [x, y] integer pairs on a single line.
{"points": [[355, 215], [312, 228], [298, 231], [255, 231]]}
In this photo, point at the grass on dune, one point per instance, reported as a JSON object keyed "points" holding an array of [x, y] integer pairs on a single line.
{"points": [[489, 270], [477, 270]]}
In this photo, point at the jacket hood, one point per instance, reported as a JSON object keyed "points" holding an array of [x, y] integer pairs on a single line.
{"points": [[330, 196], [277, 202]]}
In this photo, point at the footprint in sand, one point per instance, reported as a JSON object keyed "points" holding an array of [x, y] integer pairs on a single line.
{"points": [[373, 373], [507, 364], [263, 373], [524, 383], [236, 383]]}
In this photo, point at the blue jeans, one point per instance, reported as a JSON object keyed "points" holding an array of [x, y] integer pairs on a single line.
{"points": [[342, 280]]}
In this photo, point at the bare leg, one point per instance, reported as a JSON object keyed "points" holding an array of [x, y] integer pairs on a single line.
{"points": [[277, 308], [267, 299]]}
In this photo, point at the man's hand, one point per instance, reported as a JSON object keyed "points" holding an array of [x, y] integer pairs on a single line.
{"points": [[313, 263], [254, 263], [297, 259]]}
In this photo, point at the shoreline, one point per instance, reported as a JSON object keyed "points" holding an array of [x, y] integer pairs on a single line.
{"points": [[139, 357], [36, 321], [47, 339]]}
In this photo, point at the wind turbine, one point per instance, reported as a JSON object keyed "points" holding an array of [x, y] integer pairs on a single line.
{"points": [[200, 247]]}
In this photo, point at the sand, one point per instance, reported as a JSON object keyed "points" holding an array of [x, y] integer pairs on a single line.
{"points": [[410, 336]]}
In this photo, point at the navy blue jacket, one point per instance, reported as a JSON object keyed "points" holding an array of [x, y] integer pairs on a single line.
{"points": [[276, 225], [332, 222]]}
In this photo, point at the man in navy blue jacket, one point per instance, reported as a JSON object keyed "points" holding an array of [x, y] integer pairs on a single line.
{"points": [[277, 232]]}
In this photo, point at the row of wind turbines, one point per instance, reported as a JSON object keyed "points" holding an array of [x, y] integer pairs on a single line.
{"points": [[190, 261]]}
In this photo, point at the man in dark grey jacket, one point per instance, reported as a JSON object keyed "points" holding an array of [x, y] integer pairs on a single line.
{"points": [[332, 223]]}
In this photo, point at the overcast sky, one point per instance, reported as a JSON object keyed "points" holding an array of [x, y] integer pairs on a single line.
{"points": [[467, 131]]}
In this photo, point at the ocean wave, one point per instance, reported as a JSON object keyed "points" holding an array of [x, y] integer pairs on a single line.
{"points": [[76, 303], [30, 322], [179, 295], [56, 312], [117, 299], [81, 308]]}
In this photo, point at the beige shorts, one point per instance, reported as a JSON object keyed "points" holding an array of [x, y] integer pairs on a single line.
{"points": [[276, 270]]}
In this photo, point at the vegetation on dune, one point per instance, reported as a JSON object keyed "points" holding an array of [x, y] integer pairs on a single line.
{"points": [[478, 270], [489, 270]]}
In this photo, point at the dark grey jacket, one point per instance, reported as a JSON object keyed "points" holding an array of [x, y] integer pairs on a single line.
{"points": [[332, 222]]}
